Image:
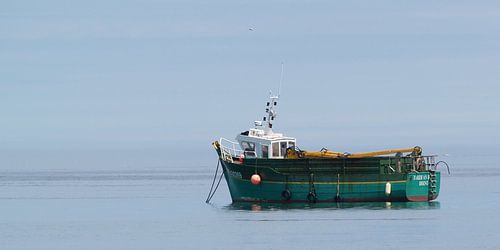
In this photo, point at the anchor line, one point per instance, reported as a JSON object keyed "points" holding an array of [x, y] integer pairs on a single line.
{"points": [[216, 187], [210, 193], [213, 182]]}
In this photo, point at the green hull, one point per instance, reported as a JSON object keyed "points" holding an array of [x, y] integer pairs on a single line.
{"points": [[329, 180]]}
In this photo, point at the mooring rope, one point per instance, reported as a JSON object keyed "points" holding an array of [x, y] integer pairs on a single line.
{"points": [[210, 193], [446, 164]]}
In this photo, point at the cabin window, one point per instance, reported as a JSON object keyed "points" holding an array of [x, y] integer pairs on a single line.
{"points": [[291, 144], [248, 146], [265, 151], [283, 148], [276, 149]]}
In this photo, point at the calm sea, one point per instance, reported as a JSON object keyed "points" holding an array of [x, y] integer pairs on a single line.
{"points": [[164, 208]]}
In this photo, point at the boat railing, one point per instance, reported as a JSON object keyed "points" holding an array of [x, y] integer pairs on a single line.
{"points": [[429, 162], [230, 150], [410, 163]]}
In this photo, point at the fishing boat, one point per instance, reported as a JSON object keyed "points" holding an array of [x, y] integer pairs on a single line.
{"points": [[265, 166]]}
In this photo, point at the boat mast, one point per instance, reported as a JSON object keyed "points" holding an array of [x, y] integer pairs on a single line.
{"points": [[271, 104], [271, 113]]}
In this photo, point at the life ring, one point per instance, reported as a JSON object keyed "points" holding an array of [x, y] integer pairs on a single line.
{"points": [[286, 194], [311, 197]]}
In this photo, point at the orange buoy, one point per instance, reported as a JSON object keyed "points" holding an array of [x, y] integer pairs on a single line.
{"points": [[255, 179]]}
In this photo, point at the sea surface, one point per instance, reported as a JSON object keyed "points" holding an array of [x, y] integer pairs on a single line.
{"points": [[164, 208]]}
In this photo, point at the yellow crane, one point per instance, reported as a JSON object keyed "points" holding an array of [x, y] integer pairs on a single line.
{"points": [[324, 153]]}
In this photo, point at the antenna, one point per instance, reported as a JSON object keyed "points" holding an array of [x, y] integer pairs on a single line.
{"points": [[271, 104], [281, 78]]}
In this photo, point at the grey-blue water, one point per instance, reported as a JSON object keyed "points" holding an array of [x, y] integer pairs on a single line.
{"points": [[164, 208]]}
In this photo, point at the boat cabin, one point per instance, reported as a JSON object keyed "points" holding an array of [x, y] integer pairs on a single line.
{"points": [[255, 143], [261, 141]]}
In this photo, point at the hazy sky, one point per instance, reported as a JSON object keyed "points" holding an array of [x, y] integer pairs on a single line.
{"points": [[160, 74]]}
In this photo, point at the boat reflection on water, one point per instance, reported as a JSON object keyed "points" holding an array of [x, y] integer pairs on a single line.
{"points": [[334, 205]]}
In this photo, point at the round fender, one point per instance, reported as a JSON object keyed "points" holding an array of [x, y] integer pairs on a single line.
{"points": [[286, 194], [311, 197]]}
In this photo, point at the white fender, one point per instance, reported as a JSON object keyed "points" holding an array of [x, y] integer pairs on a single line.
{"points": [[388, 188]]}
